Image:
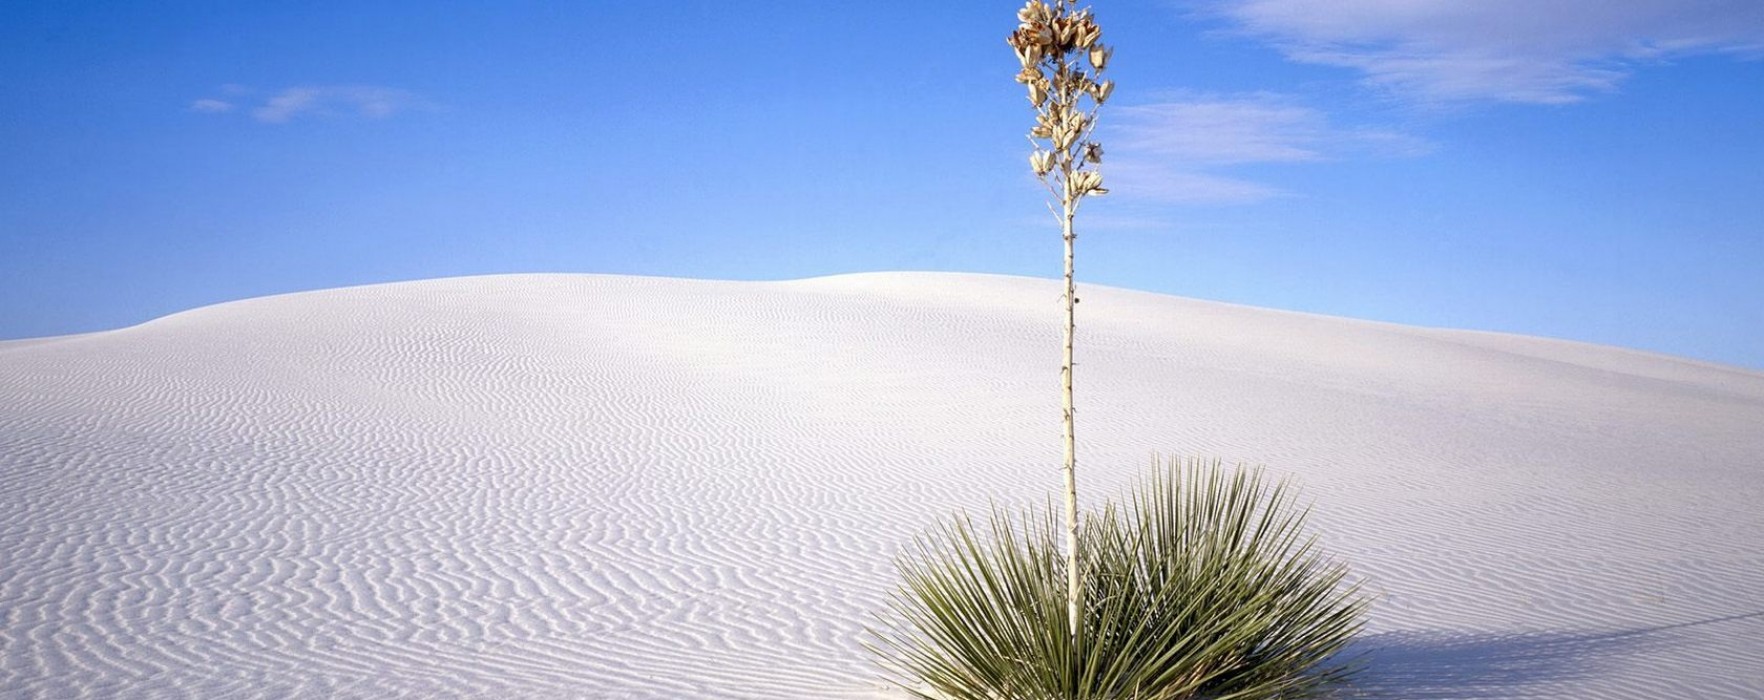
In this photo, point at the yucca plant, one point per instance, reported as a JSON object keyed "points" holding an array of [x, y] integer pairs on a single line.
{"points": [[1204, 585]]}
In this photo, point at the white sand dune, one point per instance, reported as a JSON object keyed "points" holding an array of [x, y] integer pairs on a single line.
{"points": [[557, 486]]}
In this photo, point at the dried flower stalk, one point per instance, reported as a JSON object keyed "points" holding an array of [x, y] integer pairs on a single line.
{"points": [[1063, 58]]}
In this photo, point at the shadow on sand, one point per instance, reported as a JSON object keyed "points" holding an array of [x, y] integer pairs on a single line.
{"points": [[1439, 665]]}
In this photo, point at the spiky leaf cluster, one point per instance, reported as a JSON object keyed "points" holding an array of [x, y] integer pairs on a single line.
{"points": [[1063, 58], [1206, 585]]}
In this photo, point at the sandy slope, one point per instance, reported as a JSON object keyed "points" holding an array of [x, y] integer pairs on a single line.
{"points": [[591, 486]]}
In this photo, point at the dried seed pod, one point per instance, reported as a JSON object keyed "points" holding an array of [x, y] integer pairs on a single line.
{"points": [[1088, 33], [1063, 137], [1101, 91], [1093, 152], [1089, 182], [1028, 51], [1078, 183], [1099, 56]]}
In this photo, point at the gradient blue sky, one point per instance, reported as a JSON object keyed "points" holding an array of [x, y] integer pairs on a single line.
{"points": [[1592, 171]]}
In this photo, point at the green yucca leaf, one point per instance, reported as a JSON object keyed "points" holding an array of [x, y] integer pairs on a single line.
{"points": [[1204, 585]]}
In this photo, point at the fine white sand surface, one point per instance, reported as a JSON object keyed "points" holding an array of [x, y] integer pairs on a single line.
{"points": [[582, 486]]}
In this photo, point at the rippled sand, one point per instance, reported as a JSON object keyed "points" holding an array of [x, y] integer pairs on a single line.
{"points": [[556, 486]]}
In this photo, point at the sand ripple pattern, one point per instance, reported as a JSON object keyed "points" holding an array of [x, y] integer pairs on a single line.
{"points": [[578, 486]]}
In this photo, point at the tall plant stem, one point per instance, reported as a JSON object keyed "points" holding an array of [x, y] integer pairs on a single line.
{"points": [[1074, 586]]}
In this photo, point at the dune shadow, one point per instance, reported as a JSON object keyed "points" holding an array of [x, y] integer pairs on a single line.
{"points": [[1468, 666]]}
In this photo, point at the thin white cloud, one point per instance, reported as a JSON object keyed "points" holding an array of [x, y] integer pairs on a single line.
{"points": [[321, 100], [286, 104], [362, 100], [1171, 152], [1163, 182], [1444, 51], [211, 106], [1223, 131], [1107, 221]]}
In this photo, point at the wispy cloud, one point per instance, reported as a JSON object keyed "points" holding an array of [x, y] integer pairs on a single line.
{"points": [[1496, 50], [287, 104], [1160, 182], [211, 105], [362, 100], [1172, 151]]}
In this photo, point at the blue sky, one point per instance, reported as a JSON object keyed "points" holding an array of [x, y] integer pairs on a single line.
{"points": [[1593, 170]]}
